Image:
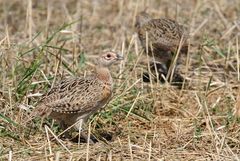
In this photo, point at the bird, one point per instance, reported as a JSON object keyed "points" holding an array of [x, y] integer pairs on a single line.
{"points": [[75, 99], [161, 38]]}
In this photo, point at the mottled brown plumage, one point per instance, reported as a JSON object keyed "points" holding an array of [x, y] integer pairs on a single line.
{"points": [[78, 98], [163, 35]]}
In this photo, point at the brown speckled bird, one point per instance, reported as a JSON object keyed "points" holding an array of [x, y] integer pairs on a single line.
{"points": [[77, 98], [164, 36]]}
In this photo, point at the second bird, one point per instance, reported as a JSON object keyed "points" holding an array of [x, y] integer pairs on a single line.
{"points": [[161, 37]]}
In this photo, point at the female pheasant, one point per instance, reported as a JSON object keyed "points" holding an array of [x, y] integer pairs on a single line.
{"points": [[161, 37], [77, 98]]}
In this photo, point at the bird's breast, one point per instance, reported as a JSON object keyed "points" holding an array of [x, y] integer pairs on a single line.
{"points": [[106, 92]]}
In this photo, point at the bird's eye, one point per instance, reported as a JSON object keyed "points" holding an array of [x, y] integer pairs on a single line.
{"points": [[108, 56]]}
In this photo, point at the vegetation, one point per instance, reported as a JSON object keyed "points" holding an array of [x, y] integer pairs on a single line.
{"points": [[42, 42]]}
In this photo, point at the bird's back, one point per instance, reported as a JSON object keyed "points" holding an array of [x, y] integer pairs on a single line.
{"points": [[76, 95], [163, 34]]}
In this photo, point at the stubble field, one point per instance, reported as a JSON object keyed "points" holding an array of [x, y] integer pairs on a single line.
{"points": [[42, 42]]}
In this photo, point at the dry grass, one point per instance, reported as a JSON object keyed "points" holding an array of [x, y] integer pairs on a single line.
{"points": [[44, 41]]}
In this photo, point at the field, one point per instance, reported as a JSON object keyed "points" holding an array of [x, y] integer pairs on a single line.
{"points": [[42, 42]]}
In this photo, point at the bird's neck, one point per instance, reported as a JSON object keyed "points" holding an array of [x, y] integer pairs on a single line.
{"points": [[103, 74]]}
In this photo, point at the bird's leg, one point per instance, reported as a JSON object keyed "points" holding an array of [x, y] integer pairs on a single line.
{"points": [[66, 134], [85, 137], [42, 119], [82, 134]]}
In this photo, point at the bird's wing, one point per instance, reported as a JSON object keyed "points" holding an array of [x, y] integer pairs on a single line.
{"points": [[78, 95]]}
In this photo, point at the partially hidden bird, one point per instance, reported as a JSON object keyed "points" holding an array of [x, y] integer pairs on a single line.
{"points": [[161, 38]]}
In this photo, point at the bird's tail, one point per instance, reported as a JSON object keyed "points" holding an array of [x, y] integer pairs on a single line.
{"points": [[39, 111]]}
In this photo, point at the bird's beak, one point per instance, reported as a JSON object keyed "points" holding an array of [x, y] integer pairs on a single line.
{"points": [[119, 57]]}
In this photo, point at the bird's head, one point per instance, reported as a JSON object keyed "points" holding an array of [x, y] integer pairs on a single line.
{"points": [[108, 58], [142, 18]]}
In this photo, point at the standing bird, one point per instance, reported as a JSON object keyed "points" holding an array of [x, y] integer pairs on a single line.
{"points": [[161, 38], [77, 98]]}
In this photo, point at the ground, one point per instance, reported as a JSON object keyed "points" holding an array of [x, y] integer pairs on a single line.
{"points": [[42, 42]]}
